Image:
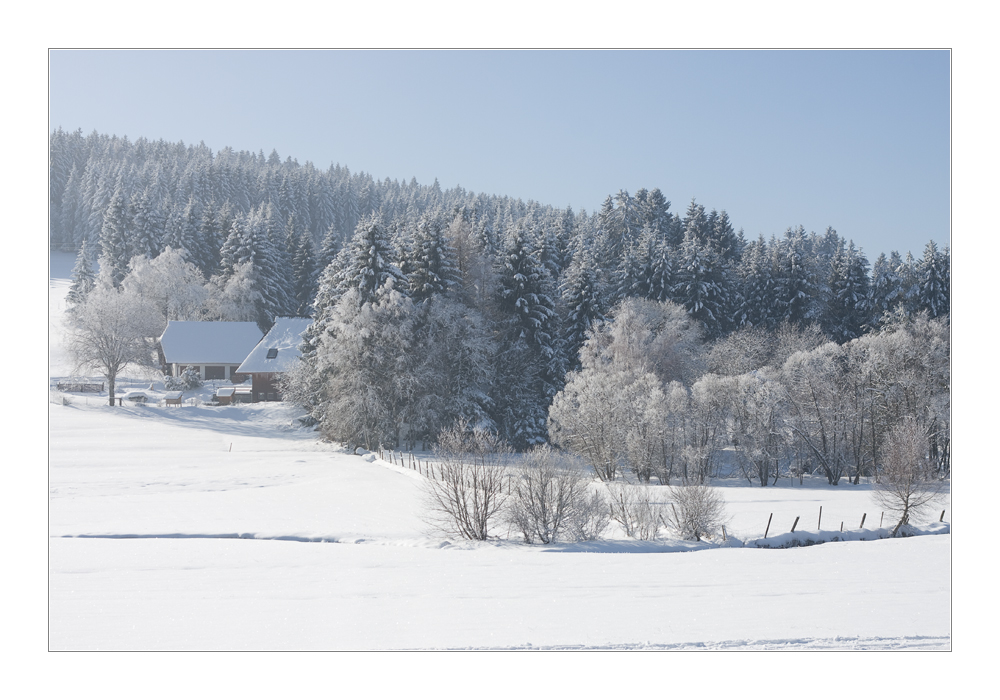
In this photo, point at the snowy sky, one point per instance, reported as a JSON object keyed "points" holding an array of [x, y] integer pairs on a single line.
{"points": [[857, 140]]}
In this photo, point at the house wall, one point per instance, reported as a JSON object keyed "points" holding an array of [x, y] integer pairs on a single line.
{"points": [[265, 386], [230, 373]]}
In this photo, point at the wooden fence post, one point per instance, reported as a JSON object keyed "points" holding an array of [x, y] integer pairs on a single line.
{"points": [[841, 525], [863, 516], [880, 518], [795, 523], [766, 530], [820, 518], [941, 519]]}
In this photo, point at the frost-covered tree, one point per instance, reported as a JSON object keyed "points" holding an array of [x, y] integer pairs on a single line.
{"points": [[304, 276], [823, 413], [611, 412], [370, 261], [907, 484], [531, 364], [758, 303], [83, 277], [146, 233], [363, 363], [175, 286], [581, 296], [933, 281], [111, 330], [794, 288], [702, 286], [115, 250], [235, 297], [847, 311], [250, 241], [886, 290], [430, 266]]}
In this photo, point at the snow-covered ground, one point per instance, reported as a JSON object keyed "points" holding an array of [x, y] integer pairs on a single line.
{"points": [[202, 527]]}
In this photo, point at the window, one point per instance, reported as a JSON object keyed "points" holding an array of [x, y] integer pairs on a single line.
{"points": [[215, 372], [272, 353]]}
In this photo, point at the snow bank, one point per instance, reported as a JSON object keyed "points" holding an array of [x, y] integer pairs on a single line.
{"points": [[806, 538]]}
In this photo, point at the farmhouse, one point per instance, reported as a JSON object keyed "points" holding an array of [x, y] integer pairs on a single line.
{"points": [[214, 348], [274, 355]]}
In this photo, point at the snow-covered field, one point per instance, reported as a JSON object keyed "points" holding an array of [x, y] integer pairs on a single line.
{"points": [[204, 528]]}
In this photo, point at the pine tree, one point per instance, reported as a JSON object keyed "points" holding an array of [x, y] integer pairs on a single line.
{"points": [[531, 366], [431, 267], [793, 284], [371, 260], [886, 289], [933, 277], [115, 251], [145, 234], [584, 307], [701, 287], [83, 276], [847, 310], [304, 275], [757, 287]]}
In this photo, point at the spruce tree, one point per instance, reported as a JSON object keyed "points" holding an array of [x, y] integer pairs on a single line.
{"points": [[431, 267], [886, 290], [701, 286], [933, 276], [847, 311], [115, 250], [83, 276]]}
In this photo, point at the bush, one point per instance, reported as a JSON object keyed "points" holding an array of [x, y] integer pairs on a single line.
{"points": [[189, 379], [551, 501], [697, 511], [634, 508], [466, 497]]}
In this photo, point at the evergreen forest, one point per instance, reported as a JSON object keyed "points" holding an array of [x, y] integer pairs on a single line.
{"points": [[433, 306]]}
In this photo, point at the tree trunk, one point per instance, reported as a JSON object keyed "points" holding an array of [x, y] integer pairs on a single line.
{"points": [[111, 389]]}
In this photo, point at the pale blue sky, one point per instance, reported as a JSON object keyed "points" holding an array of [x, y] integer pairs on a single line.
{"points": [[857, 140]]}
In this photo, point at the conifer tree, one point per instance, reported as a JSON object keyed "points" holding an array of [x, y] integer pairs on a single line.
{"points": [[758, 305], [793, 284], [115, 251], [701, 287], [933, 281], [847, 306], [584, 307], [430, 267], [83, 276], [886, 289]]}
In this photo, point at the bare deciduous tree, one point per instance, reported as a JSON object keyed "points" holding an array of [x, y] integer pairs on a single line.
{"points": [[697, 511], [467, 495], [636, 509], [551, 500], [907, 484]]}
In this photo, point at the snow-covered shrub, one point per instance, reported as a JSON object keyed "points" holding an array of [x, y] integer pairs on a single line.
{"points": [[591, 517], [636, 509], [189, 379], [550, 500], [697, 511], [467, 494]]}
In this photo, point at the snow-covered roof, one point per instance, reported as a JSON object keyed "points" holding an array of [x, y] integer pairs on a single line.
{"points": [[279, 348], [209, 342]]}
